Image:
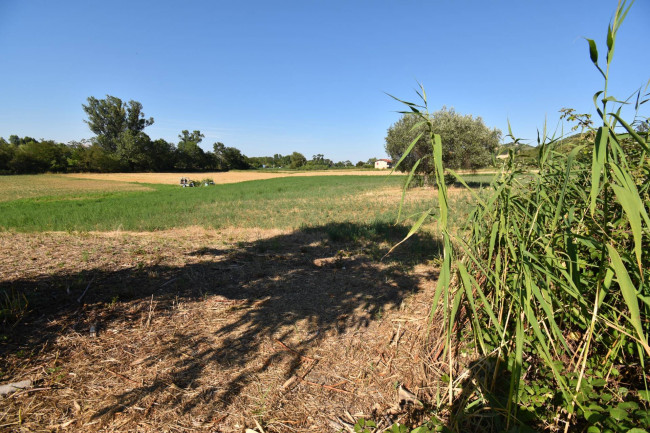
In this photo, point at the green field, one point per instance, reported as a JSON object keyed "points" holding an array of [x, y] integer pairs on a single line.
{"points": [[55, 203], [275, 203]]}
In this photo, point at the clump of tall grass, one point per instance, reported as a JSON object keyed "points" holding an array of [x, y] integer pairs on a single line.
{"points": [[13, 306], [553, 278]]}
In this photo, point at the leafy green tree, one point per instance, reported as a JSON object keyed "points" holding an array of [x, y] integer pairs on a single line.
{"points": [[17, 141], [319, 161], [87, 156], [78, 157], [134, 150], [7, 152], [280, 161], [186, 137], [161, 156], [14, 139], [99, 159], [257, 162], [109, 118], [234, 159], [135, 120], [35, 156], [229, 158], [189, 155], [467, 142], [219, 161], [297, 160]]}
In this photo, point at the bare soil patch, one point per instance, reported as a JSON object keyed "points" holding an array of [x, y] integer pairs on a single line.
{"points": [[203, 330], [219, 177]]}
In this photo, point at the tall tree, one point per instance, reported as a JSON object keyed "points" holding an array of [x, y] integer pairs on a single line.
{"points": [[297, 160], [135, 119], [218, 155], [110, 117], [186, 137], [190, 156]]}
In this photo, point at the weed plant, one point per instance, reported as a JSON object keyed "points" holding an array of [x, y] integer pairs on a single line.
{"points": [[552, 278], [13, 306]]}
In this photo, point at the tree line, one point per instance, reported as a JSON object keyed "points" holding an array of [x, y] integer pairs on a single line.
{"points": [[132, 153], [121, 145]]}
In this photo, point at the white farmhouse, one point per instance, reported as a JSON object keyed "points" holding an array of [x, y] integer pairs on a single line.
{"points": [[382, 164]]}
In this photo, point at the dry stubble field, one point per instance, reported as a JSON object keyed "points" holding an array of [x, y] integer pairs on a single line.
{"points": [[214, 329], [220, 177]]}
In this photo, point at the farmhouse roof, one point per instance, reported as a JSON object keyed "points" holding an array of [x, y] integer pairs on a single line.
{"points": [[386, 160]]}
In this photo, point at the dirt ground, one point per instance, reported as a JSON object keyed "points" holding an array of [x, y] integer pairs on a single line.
{"points": [[219, 331], [221, 177]]}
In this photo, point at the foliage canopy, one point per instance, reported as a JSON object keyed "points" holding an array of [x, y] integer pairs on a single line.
{"points": [[109, 118], [467, 142]]}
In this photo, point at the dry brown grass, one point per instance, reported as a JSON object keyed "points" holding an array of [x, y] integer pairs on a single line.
{"points": [[393, 195], [218, 177], [203, 330], [27, 186]]}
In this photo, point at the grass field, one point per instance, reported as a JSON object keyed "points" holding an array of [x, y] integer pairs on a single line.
{"points": [[63, 203]]}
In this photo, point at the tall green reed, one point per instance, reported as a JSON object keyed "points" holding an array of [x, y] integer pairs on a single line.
{"points": [[553, 273]]}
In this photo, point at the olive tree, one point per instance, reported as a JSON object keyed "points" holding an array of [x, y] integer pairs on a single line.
{"points": [[467, 143]]}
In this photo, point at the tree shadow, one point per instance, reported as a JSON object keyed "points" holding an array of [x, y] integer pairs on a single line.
{"points": [[289, 291]]}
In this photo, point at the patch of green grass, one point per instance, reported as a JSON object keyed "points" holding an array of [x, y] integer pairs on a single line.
{"points": [[283, 203]]}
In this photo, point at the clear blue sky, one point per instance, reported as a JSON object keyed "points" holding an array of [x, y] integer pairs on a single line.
{"points": [[309, 75]]}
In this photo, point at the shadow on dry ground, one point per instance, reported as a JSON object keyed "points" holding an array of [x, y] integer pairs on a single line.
{"points": [[204, 331]]}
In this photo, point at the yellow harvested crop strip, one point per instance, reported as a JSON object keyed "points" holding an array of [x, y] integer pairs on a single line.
{"points": [[219, 177]]}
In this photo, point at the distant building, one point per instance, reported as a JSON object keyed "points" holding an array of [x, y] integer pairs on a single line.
{"points": [[383, 164]]}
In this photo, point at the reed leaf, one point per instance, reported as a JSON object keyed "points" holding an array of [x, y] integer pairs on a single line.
{"points": [[629, 294]]}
